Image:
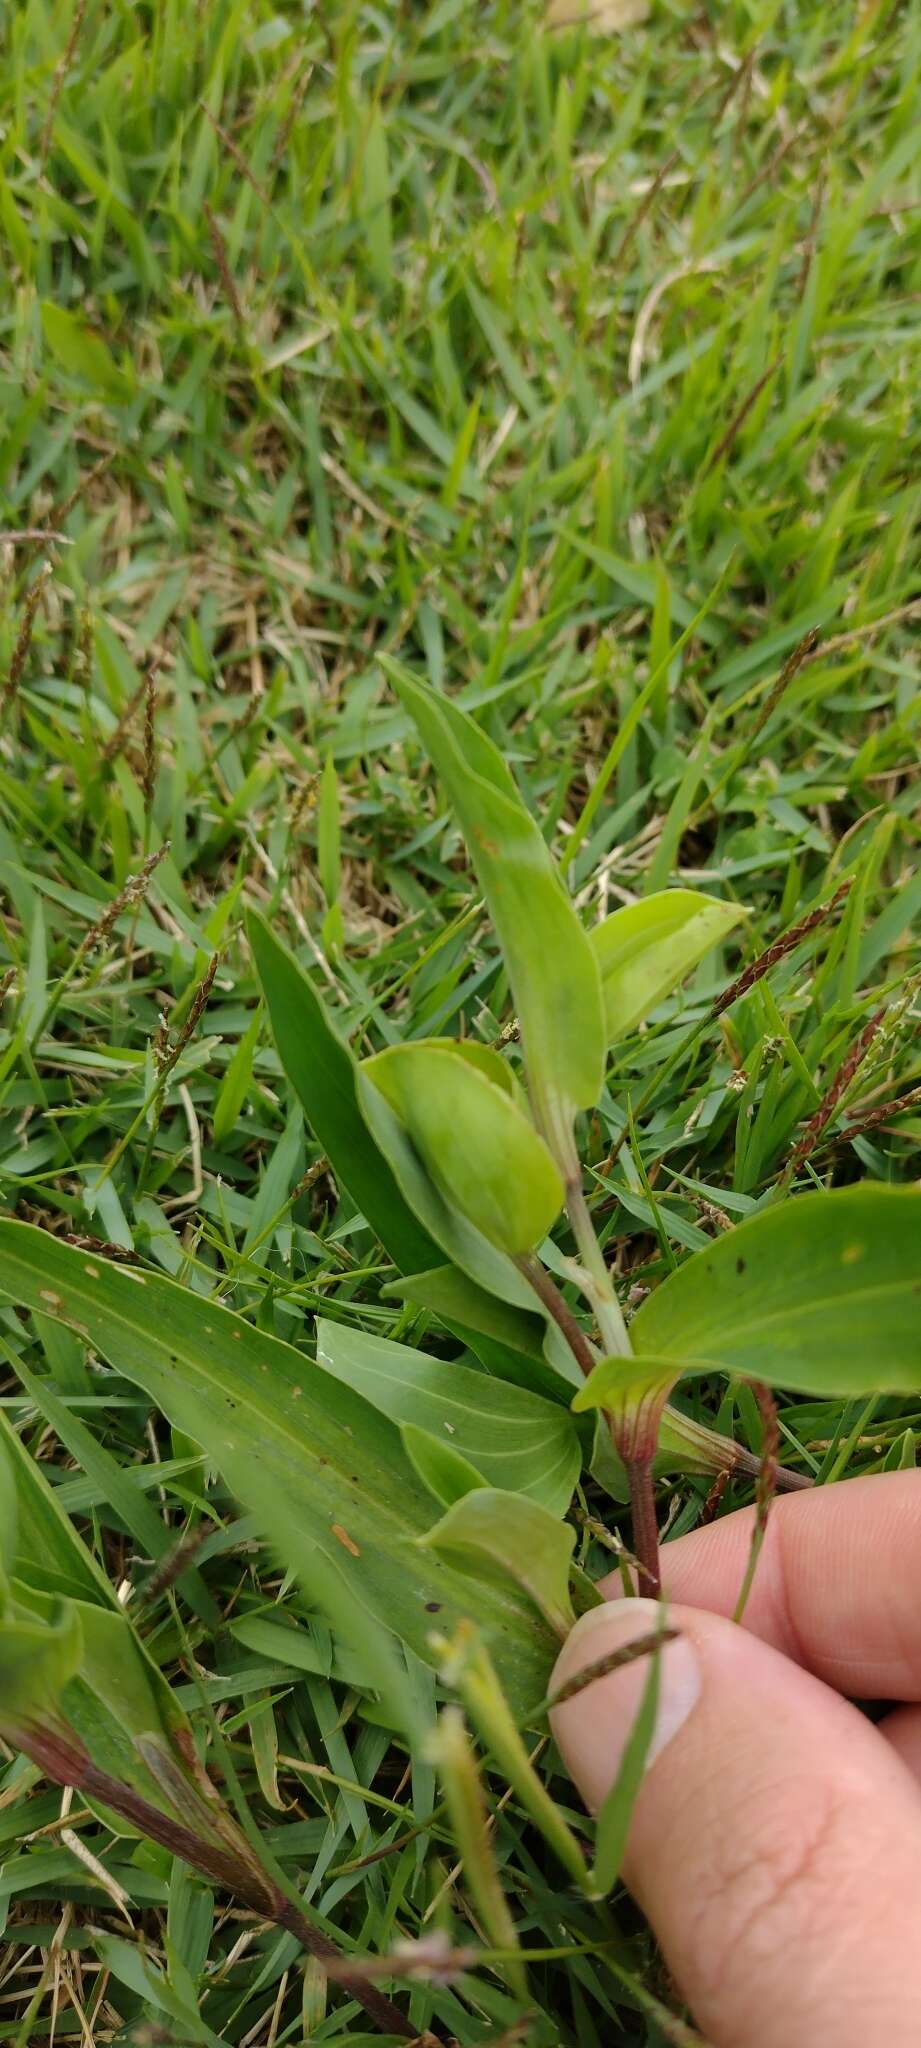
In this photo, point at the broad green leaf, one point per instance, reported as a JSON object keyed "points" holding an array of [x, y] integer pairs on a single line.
{"points": [[646, 949], [516, 1539], [821, 1294], [554, 977], [82, 352], [320, 1067], [514, 1343], [324, 1474], [38, 1654], [508, 1340], [447, 1474], [449, 1229], [485, 1059], [512, 1439], [478, 1146]]}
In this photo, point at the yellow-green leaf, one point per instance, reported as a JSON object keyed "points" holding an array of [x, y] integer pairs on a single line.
{"points": [[478, 1146], [551, 965], [515, 1539], [646, 949]]}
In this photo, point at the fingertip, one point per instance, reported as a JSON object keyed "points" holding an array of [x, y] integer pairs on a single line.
{"points": [[775, 1836], [593, 1726]]}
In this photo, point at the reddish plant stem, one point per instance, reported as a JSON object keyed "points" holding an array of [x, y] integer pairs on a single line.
{"points": [[639, 1470], [645, 1526], [62, 1757], [549, 1294]]}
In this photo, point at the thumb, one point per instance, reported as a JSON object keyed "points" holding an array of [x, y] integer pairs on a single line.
{"points": [[775, 1844]]}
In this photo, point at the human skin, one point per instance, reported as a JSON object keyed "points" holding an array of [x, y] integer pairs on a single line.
{"points": [[775, 1844]]}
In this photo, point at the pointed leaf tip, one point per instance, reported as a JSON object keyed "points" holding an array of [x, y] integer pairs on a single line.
{"points": [[552, 968]]}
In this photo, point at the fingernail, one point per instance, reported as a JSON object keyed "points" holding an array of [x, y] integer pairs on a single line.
{"points": [[592, 1728]]}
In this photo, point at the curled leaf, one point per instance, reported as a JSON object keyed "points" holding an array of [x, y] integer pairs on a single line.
{"points": [[520, 1541], [445, 1471], [474, 1141], [451, 1230], [646, 949], [633, 1392], [486, 1060]]}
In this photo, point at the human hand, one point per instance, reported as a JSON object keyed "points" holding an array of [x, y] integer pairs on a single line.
{"points": [[775, 1844]]}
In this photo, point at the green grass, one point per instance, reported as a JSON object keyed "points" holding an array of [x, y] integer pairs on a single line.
{"points": [[419, 330]]}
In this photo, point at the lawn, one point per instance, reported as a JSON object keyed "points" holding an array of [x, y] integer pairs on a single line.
{"points": [[576, 373]]}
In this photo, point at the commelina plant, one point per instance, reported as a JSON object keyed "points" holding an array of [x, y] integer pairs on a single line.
{"points": [[426, 1544]]}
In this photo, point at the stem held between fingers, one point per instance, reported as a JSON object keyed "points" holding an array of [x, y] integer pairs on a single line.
{"points": [[645, 1526]]}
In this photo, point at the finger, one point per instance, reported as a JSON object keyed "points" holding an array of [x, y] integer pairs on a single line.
{"points": [[903, 1729], [836, 1583], [775, 1842]]}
